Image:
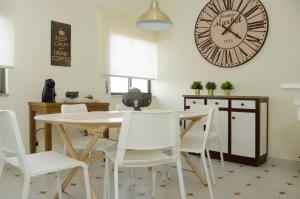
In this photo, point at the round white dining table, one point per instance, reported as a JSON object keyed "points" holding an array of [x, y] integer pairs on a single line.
{"points": [[99, 122]]}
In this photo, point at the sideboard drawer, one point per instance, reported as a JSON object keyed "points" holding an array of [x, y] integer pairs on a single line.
{"points": [[189, 102], [218, 102], [243, 104]]}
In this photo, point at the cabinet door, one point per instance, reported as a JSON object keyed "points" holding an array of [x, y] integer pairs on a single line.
{"points": [[223, 130], [243, 134]]}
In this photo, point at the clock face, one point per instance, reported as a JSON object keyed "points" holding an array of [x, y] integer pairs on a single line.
{"points": [[229, 33]]}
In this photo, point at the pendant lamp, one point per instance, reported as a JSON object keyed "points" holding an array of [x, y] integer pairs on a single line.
{"points": [[154, 19]]}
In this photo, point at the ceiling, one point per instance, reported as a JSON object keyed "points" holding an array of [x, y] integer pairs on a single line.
{"points": [[131, 7]]}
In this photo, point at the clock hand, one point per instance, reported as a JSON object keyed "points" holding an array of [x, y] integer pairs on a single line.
{"points": [[229, 30]]}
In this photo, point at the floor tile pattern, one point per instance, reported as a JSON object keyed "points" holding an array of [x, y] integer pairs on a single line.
{"points": [[268, 181]]}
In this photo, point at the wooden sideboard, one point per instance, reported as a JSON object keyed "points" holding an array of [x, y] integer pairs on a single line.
{"points": [[48, 108], [243, 128]]}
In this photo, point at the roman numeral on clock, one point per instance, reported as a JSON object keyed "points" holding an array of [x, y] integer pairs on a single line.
{"points": [[215, 54], [252, 39], [205, 44], [206, 20], [204, 34], [256, 25], [228, 4], [251, 11], [214, 8], [228, 57], [243, 53]]}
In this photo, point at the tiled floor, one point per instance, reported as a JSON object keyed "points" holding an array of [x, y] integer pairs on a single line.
{"points": [[238, 182]]}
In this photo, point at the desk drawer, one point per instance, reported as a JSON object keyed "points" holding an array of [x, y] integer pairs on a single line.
{"points": [[189, 102], [243, 104], [221, 103]]}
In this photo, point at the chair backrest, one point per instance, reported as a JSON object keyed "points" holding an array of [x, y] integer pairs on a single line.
{"points": [[149, 131], [74, 108], [205, 109], [10, 138], [208, 126]]}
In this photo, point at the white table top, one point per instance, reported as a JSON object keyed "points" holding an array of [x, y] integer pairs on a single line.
{"points": [[108, 118]]}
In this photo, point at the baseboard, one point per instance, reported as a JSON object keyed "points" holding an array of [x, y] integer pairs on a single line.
{"points": [[284, 162]]}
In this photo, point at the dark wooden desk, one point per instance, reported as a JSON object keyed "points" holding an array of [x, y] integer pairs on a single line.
{"points": [[48, 108]]}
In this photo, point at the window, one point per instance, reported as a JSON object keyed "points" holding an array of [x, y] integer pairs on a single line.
{"points": [[3, 81], [120, 85], [132, 62]]}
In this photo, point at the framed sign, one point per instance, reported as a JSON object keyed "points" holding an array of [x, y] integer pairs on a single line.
{"points": [[60, 44]]}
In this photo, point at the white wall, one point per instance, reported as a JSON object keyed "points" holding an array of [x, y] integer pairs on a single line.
{"points": [[32, 64], [180, 63]]}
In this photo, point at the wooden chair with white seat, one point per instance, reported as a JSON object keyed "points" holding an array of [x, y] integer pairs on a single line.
{"points": [[32, 165], [143, 138], [82, 141], [192, 143]]}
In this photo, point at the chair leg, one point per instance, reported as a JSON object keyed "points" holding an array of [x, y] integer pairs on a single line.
{"points": [[26, 187], [207, 176], [211, 167], [2, 161], [132, 176], [86, 182], [65, 149], [180, 178], [221, 154], [153, 182], [106, 191], [116, 182], [58, 184]]}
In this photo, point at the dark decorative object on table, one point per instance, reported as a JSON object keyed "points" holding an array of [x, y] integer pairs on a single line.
{"points": [[90, 97], [136, 99], [49, 94], [72, 94]]}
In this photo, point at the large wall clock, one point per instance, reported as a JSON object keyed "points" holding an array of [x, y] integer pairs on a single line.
{"points": [[229, 33]]}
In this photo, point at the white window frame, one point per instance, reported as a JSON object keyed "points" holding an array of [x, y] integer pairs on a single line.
{"points": [[130, 85]]}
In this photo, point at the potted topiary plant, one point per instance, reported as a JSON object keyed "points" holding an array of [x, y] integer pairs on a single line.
{"points": [[211, 86], [197, 86], [227, 86]]}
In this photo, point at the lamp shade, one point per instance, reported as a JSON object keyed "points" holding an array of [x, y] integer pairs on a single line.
{"points": [[154, 19]]}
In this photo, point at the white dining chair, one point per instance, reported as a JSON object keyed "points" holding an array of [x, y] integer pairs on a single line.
{"points": [[215, 134], [143, 138], [12, 151], [198, 144], [81, 142]]}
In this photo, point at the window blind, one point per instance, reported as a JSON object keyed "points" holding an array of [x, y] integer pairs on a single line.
{"points": [[131, 57]]}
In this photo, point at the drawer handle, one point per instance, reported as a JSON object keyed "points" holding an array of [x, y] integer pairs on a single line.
{"points": [[216, 103], [242, 104], [194, 102], [233, 118]]}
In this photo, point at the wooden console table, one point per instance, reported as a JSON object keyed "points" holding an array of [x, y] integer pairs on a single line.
{"points": [[48, 108]]}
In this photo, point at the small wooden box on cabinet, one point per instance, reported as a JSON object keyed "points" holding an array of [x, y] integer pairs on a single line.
{"points": [[243, 126]]}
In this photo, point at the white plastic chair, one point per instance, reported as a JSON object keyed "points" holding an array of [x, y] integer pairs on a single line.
{"points": [[215, 134], [81, 142], [32, 165], [198, 144], [143, 138]]}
